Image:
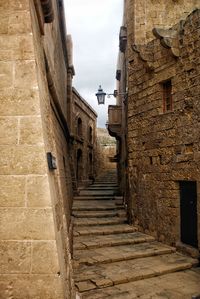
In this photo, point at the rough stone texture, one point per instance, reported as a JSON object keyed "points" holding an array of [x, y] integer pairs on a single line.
{"points": [[163, 147], [84, 139], [12, 197], [15, 257], [38, 193], [180, 285], [30, 286], [143, 16], [35, 224]]}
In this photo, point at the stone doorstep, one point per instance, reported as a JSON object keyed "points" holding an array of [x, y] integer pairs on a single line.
{"points": [[188, 250], [111, 240], [120, 253], [106, 230], [134, 270], [102, 221]]}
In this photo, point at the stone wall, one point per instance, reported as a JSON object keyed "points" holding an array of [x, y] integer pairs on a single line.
{"points": [[84, 132], [35, 202], [163, 146], [143, 16], [106, 149]]}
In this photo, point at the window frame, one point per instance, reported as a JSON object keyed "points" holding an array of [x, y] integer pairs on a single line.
{"points": [[167, 96]]}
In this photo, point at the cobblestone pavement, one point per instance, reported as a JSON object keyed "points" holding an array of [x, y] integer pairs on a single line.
{"points": [[113, 260]]}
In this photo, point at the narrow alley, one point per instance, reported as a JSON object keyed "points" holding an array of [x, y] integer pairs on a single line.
{"points": [[114, 260], [99, 149]]}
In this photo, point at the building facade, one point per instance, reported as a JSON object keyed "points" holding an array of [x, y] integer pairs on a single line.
{"points": [[36, 194], [38, 171], [162, 77], [84, 143], [106, 152], [163, 131]]}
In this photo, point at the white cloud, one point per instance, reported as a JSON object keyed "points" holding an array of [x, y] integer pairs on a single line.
{"points": [[94, 25]]}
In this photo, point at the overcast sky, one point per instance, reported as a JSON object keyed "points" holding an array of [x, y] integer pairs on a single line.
{"points": [[94, 26]]}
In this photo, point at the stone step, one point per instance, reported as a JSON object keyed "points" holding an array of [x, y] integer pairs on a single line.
{"points": [[91, 207], [178, 285], [105, 275], [104, 230], [83, 242], [85, 197], [101, 221], [95, 193], [106, 184], [120, 253], [106, 187], [98, 214], [103, 204]]}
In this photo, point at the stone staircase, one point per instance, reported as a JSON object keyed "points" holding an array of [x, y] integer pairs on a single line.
{"points": [[113, 260]]}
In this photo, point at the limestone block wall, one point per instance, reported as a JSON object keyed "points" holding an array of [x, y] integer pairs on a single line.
{"points": [[35, 203], [163, 147], [85, 139], [143, 16]]}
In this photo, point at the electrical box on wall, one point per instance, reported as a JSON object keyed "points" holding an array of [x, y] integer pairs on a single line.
{"points": [[51, 161]]}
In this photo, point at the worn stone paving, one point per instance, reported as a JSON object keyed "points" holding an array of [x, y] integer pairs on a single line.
{"points": [[113, 260]]}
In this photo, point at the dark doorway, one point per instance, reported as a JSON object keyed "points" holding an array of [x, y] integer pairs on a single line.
{"points": [[188, 197], [79, 165], [79, 127], [90, 165]]}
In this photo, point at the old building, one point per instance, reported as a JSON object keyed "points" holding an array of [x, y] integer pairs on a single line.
{"points": [[37, 144], [117, 114], [36, 196], [84, 143], [163, 134], [106, 152], [161, 62]]}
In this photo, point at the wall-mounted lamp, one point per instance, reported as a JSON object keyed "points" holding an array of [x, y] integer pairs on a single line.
{"points": [[101, 95]]}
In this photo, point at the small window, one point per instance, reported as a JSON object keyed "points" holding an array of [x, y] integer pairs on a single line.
{"points": [[167, 96]]}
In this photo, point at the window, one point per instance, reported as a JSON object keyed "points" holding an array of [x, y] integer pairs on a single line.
{"points": [[167, 96]]}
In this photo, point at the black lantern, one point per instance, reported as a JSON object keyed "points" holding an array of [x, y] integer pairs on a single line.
{"points": [[100, 96]]}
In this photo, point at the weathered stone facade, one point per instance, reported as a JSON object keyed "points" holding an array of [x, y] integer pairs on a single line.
{"points": [[84, 134], [117, 114], [35, 226], [106, 152], [163, 131], [143, 16]]}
